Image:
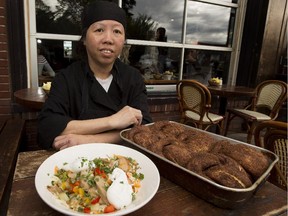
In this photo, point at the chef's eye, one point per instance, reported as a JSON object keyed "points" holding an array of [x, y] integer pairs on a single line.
{"points": [[99, 30], [117, 31]]}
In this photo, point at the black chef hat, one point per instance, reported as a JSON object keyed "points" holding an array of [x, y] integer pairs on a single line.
{"points": [[102, 10]]}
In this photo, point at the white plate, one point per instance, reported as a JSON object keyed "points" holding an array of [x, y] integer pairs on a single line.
{"points": [[149, 185]]}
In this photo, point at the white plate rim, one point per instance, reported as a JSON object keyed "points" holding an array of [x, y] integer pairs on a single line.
{"points": [[93, 150]]}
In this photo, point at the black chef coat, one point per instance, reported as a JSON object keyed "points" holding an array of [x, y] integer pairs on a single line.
{"points": [[76, 95]]}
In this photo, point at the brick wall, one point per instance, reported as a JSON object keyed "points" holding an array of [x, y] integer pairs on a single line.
{"points": [[5, 81], [164, 108]]}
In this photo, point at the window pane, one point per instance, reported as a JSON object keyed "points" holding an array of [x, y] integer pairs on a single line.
{"points": [[148, 15], [59, 17], [209, 24], [204, 64], [152, 61], [58, 53]]}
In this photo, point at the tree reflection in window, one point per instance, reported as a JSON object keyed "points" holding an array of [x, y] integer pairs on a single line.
{"points": [[65, 18], [61, 18]]}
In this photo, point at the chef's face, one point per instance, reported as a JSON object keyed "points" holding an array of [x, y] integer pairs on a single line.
{"points": [[104, 42]]}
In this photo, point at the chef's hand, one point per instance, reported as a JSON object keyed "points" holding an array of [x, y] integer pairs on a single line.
{"points": [[125, 117], [68, 140]]}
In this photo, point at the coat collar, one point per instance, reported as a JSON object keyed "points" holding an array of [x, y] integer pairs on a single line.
{"points": [[98, 94]]}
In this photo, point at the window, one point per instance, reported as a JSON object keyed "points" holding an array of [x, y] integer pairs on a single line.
{"points": [[186, 38], [209, 24]]}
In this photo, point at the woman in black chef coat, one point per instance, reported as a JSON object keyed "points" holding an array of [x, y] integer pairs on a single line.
{"points": [[92, 100]]}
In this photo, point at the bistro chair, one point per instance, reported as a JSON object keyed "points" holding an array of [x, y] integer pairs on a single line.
{"points": [[195, 102], [275, 140], [265, 105]]}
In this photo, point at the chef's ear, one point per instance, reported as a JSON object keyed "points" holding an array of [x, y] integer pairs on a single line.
{"points": [[83, 36]]}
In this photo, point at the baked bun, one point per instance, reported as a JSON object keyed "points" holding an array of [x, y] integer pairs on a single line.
{"points": [[145, 139], [129, 134], [253, 161], [225, 176], [200, 143], [229, 173], [221, 169], [200, 162], [177, 153]]}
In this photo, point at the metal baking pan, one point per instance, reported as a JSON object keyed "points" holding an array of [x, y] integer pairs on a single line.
{"points": [[221, 196]]}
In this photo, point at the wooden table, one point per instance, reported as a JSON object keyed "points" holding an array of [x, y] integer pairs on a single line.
{"points": [[170, 199], [32, 98], [11, 137], [226, 92], [159, 82]]}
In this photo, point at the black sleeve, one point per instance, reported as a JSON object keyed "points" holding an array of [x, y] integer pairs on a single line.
{"points": [[144, 105], [54, 115], [138, 98]]}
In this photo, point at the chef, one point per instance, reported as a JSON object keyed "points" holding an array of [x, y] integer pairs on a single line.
{"points": [[95, 98]]}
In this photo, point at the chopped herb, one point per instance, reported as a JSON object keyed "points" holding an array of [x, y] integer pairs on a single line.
{"points": [[133, 196], [83, 161], [106, 187], [139, 176], [91, 182], [80, 209]]}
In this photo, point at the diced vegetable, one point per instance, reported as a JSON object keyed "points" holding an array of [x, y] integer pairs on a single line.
{"points": [[87, 210], [63, 196], [96, 200], [109, 208]]}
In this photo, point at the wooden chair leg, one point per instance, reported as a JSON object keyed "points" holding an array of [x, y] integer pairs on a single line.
{"points": [[281, 176], [227, 124], [200, 126], [182, 120], [250, 132], [221, 126]]}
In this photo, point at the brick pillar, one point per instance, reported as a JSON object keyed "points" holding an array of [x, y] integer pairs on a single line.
{"points": [[5, 81]]}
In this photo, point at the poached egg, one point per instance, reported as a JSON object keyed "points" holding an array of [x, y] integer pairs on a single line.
{"points": [[119, 194]]}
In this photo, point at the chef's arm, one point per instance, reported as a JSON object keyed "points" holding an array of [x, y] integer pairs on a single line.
{"points": [[122, 119], [65, 141]]}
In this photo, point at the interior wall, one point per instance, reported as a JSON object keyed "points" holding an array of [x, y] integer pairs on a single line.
{"points": [[252, 38], [17, 49], [274, 43]]}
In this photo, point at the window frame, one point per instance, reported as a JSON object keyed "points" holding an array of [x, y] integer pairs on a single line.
{"points": [[32, 36]]}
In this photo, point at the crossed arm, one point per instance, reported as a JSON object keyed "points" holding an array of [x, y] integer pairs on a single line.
{"points": [[104, 130]]}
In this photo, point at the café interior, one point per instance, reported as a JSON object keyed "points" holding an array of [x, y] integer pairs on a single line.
{"points": [[232, 53]]}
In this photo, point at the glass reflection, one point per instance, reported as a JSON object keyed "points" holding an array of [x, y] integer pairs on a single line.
{"points": [[201, 65], [151, 64], [206, 23], [209, 24], [64, 16], [59, 17], [58, 53], [148, 15]]}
